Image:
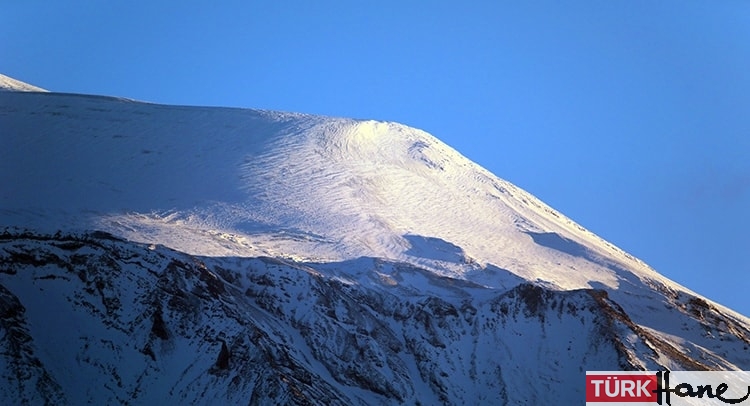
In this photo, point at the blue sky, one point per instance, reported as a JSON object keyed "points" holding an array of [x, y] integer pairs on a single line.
{"points": [[631, 117]]}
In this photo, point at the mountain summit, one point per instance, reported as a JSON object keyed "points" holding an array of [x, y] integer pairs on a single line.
{"points": [[9, 84], [203, 255]]}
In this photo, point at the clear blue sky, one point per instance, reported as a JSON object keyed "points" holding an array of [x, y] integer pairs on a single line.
{"points": [[631, 117]]}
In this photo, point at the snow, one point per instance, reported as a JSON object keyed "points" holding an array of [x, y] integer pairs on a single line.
{"points": [[239, 182], [361, 203], [9, 84], [210, 181]]}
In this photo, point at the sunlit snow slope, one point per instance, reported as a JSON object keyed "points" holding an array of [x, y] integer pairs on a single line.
{"points": [[13, 85], [329, 196], [217, 181], [212, 181]]}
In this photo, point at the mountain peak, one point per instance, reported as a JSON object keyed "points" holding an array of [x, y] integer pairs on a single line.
{"points": [[13, 85], [214, 181], [296, 259]]}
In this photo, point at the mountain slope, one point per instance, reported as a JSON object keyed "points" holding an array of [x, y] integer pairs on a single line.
{"points": [[264, 255], [241, 182], [9, 84], [151, 325]]}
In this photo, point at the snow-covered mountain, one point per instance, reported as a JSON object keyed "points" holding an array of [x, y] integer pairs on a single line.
{"points": [[171, 254]]}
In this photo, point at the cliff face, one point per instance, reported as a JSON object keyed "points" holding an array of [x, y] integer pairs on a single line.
{"points": [[93, 318]]}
